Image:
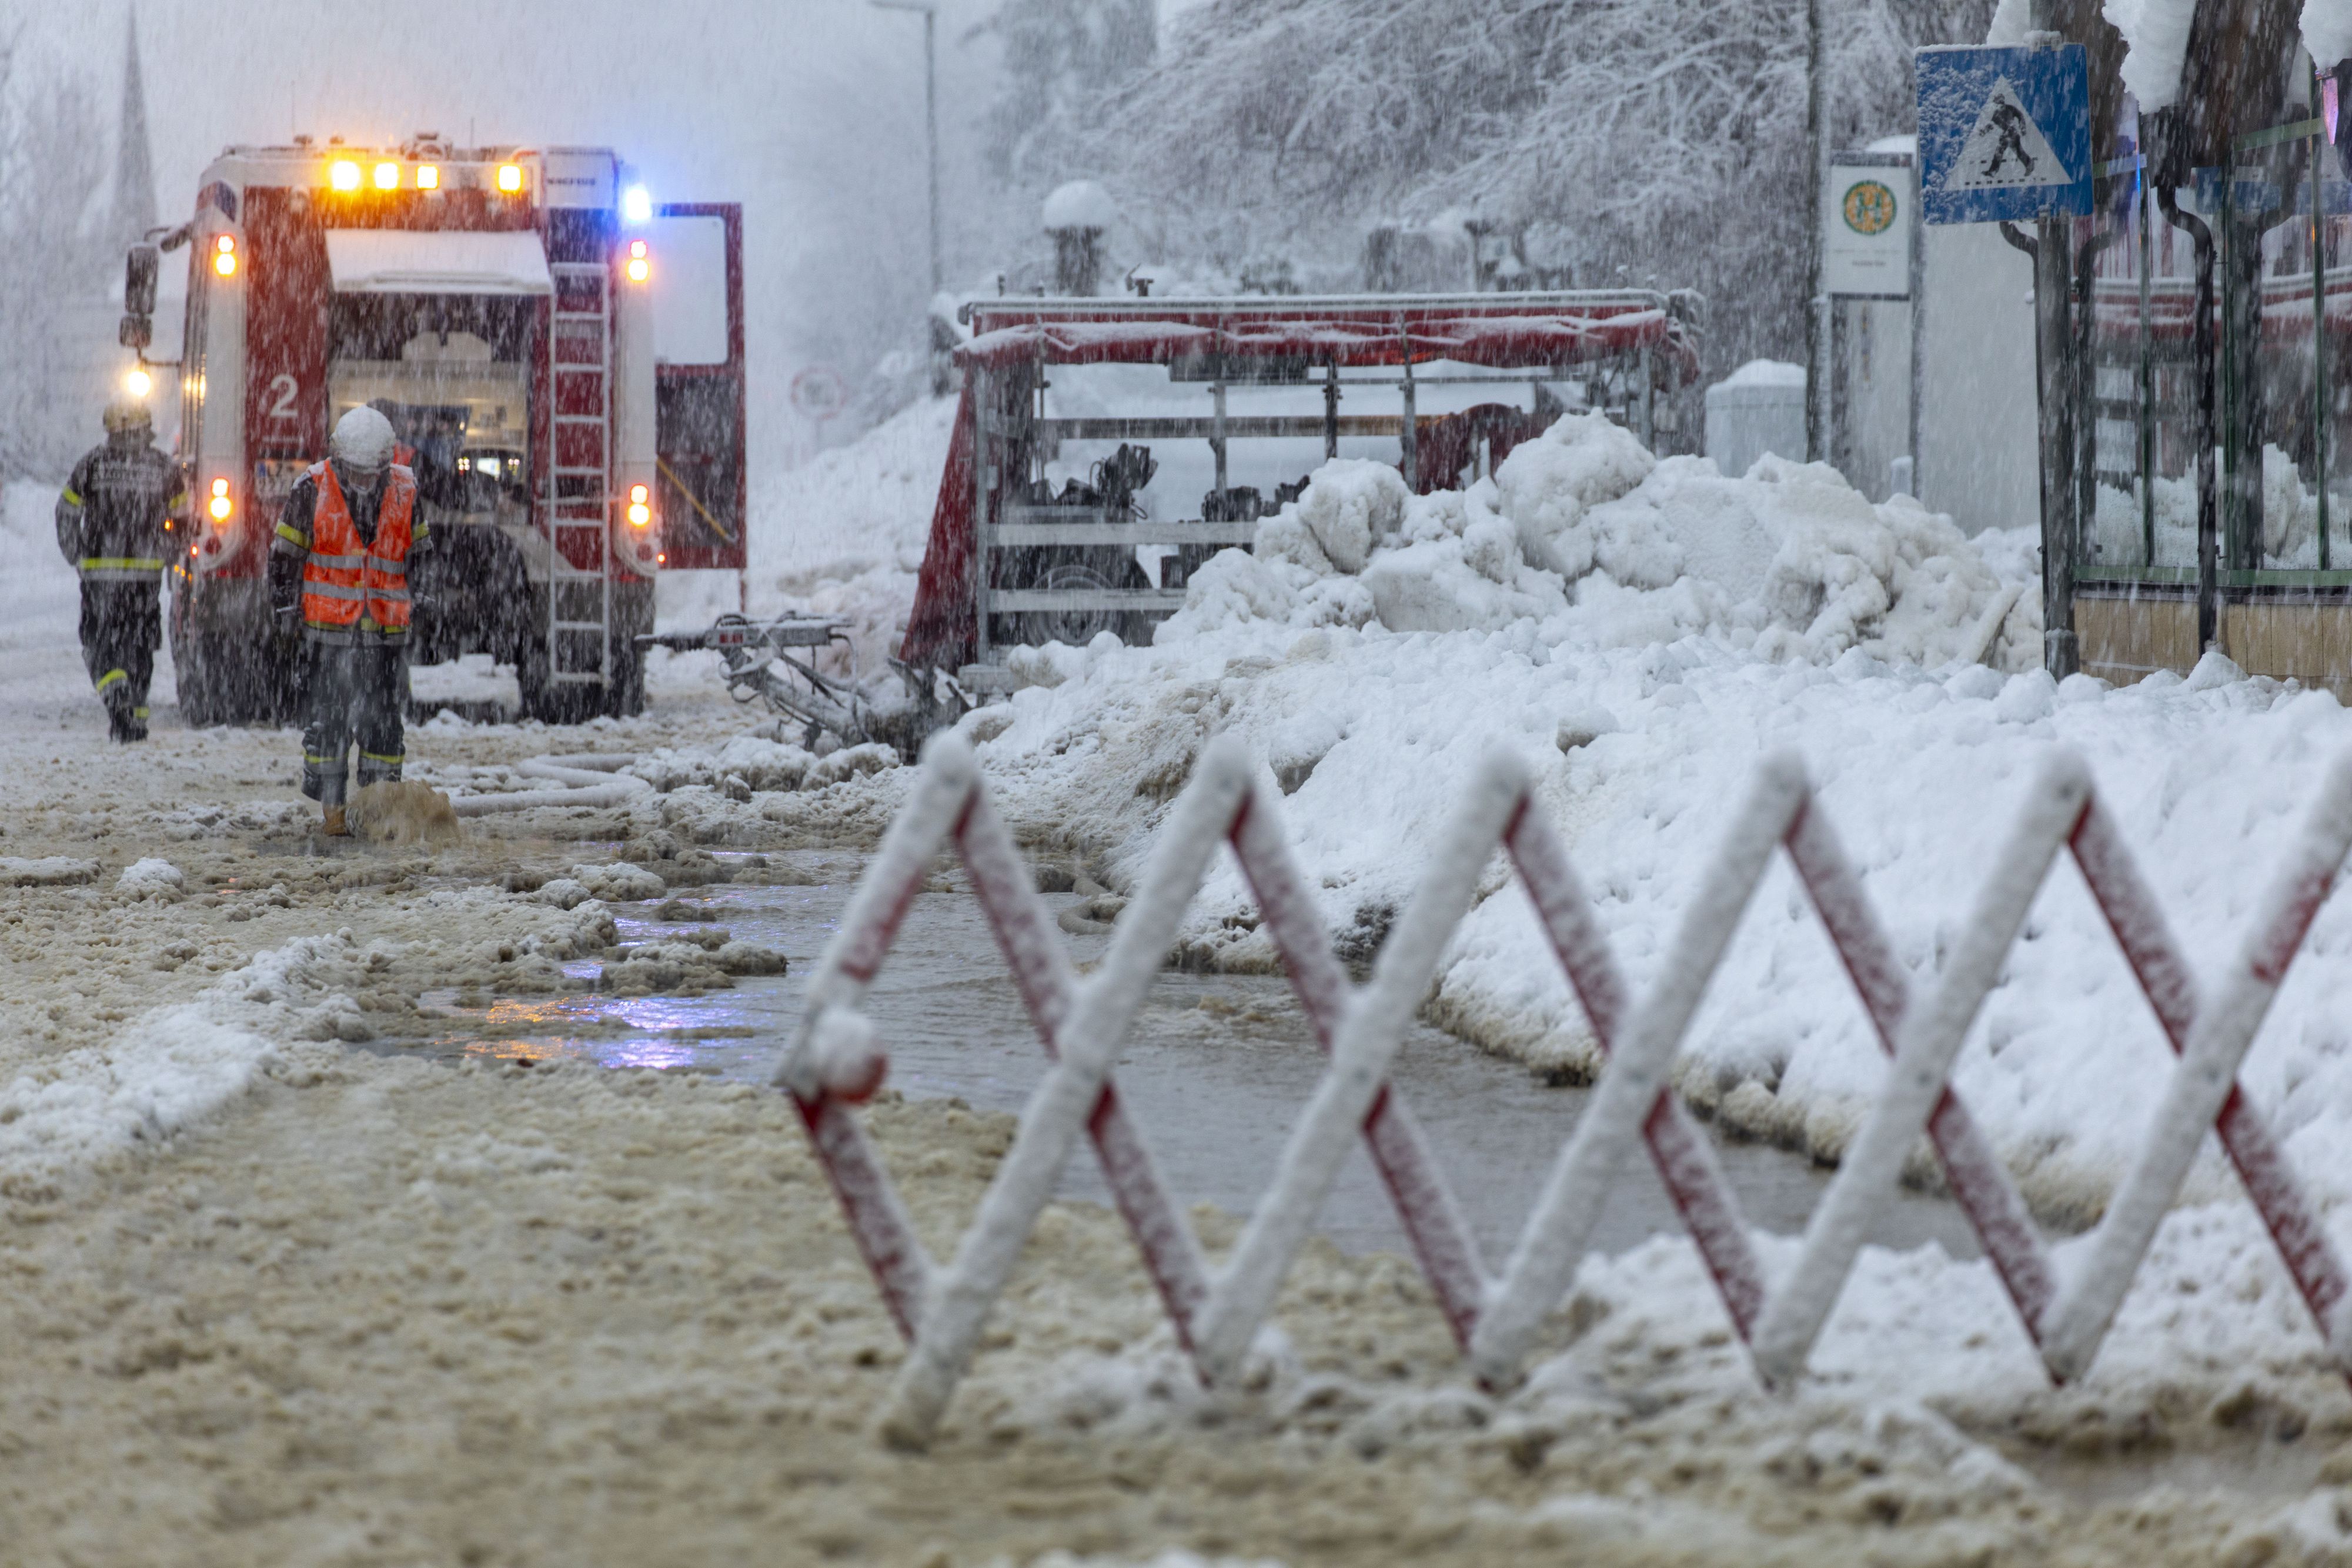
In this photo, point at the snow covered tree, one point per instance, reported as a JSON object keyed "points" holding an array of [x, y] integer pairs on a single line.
{"points": [[57, 262], [1625, 127], [1058, 55]]}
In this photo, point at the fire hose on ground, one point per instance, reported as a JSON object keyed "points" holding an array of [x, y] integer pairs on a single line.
{"points": [[585, 781]]}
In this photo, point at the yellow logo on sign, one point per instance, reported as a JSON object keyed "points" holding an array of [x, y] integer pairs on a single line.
{"points": [[1869, 208]]}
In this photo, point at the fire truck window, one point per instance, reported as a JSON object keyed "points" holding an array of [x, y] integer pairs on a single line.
{"points": [[690, 284], [381, 326], [452, 373]]}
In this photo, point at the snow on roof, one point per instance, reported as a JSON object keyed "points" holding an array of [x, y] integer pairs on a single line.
{"points": [[2157, 34], [2010, 18], [413, 261], [1766, 373], [1080, 204]]}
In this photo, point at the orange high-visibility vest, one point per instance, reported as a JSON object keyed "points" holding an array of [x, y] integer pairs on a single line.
{"points": [[343, 578]]}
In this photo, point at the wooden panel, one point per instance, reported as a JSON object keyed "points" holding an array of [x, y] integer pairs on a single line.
{"points": [[2335, 651], [2127, 640], [2308, 641]]}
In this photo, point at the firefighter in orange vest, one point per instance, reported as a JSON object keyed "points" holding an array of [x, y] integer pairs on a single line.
{"points": [[338, 577]]}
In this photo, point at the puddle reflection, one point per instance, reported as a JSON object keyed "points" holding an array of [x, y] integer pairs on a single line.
{"points": [[1215, 1071]]}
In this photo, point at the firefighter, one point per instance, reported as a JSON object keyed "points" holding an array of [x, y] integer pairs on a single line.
{"points": [[339, 575], [114, 519]]}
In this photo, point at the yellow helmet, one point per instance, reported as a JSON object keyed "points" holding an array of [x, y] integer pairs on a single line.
{"points": [[127, 413]]}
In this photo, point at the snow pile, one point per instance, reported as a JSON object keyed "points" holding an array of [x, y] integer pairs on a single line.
{"points": [[180, 1064], [45, 870], [1582, 536], [1718, 620], [564, 893], [619, 883], [2290, 521], [72, 1109], [151, 878], [1921, 1360]]}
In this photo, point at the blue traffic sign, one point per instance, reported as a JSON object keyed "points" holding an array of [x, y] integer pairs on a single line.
{"points": [[2004, 133]]}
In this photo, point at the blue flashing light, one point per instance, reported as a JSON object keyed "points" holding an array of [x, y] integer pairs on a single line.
{"points": [[636, 204]]}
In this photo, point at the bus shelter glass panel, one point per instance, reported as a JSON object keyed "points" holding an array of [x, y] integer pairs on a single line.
{"points": [[2141, 418], [2286, 303]]}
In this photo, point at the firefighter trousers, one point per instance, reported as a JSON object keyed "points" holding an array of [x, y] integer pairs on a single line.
{"points": [[122, 624], [357, 691]]}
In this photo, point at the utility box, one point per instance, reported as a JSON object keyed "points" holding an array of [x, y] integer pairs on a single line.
{"points": [[1759, 408]]}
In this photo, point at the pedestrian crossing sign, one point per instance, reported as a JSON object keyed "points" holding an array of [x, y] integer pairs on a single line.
{"points": [[2004, 133]]}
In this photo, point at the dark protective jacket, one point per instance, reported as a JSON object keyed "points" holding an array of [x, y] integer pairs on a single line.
{"points": [[290, 550], [113, 514]]}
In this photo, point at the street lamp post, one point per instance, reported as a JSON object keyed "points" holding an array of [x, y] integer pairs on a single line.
{"points": [[930, 14]]}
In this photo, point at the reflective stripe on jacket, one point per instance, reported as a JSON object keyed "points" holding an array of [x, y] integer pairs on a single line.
{"points": [[119, 567], [113, 514], [351, 585]]}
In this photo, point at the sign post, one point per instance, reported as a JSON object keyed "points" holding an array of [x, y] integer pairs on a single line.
{"points": [[2004, 137], [1868, 237]]}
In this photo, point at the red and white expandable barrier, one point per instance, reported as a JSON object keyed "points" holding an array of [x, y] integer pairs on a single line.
{"points": [[835, 1061]]}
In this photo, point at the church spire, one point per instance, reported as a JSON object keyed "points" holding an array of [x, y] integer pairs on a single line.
{"points": [[134, 166]]}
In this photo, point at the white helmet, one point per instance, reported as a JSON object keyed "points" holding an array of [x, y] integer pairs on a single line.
{"points": [[362, 441]]}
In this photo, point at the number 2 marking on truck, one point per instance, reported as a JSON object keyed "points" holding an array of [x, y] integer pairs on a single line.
{"points": [[285, 388]]}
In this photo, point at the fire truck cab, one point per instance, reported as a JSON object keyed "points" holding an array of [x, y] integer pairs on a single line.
{"points": [[562, 359]]}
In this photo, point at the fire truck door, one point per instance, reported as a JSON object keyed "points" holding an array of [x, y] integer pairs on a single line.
{"points": [[698, 312]]}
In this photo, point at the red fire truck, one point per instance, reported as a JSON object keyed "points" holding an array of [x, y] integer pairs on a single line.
{"points": [[562, 361]]}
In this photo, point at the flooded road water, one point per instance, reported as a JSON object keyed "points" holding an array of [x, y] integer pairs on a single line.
{"points": [[1214, 1072]]}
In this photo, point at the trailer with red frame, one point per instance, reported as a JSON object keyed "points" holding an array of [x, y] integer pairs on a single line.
{"points": [[561, 360], [1013, 559]]}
